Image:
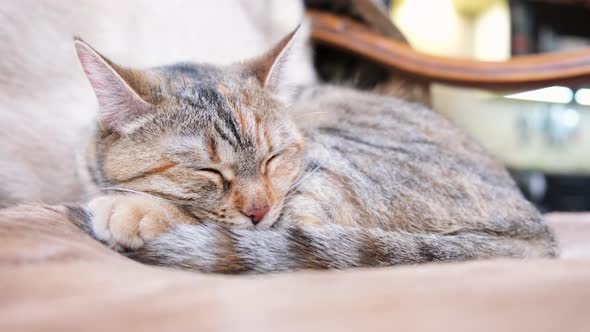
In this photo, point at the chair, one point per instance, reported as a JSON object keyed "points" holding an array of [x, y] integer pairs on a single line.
{"points": [[521, 72]]}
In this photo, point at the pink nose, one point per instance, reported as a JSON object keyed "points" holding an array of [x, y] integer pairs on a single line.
{"points": [[256, 213]]}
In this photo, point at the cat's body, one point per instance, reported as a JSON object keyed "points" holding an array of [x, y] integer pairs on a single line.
{"points": [[221, 176], [386, 182]]}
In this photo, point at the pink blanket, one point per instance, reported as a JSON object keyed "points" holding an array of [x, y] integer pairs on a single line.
{"points": [[53, 277]]}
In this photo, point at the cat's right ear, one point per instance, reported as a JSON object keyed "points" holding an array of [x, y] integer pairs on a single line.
{"points": [[119, 101], [272, 68]]}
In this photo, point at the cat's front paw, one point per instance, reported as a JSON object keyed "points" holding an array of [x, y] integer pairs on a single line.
{"points": [[128, 221]]}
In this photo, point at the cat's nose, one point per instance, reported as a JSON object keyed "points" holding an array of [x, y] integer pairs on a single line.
{"points": [[256, 214]]}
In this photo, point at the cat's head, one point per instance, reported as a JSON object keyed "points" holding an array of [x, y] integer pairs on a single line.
{"points": [[215, 140]]}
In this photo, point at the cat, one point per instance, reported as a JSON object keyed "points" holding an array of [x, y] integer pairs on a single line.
{"points": [[225, 169]]}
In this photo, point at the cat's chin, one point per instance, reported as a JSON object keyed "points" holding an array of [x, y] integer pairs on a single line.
{"points": [[246, 223], [242, 223]]}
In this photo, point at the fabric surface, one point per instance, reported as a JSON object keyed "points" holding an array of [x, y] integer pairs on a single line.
{"points": [[55, 277]]}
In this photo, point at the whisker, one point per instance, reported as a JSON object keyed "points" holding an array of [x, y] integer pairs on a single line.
{"points": [[304, 177], [297, 184], [115, 188], [200, 210], [312, 113], [175, 201]]}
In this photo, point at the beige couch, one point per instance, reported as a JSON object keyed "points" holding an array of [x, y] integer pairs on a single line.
{"points": [[53, 277]]}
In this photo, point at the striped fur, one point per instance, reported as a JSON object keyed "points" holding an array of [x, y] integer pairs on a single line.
{"points": [[353, 179], [215, 249]]}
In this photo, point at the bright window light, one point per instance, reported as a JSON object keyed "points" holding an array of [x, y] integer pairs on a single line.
{"points": [[552, 94], [583, 97]]}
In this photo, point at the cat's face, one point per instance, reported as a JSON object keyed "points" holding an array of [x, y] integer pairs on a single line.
{"points": [[215, 140]]}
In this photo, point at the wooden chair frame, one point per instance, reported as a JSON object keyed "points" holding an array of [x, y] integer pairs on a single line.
{"points": [[521, 72]]}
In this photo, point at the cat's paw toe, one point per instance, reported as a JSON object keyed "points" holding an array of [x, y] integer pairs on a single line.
{"points": [[101, 209], [124, 225]]}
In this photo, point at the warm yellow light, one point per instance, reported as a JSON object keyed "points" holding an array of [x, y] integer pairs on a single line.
{"points": [[440, 27], [472, 7], [432, 26]]}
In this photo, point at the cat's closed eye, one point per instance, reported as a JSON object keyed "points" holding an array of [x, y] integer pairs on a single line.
{"points": [[273, 158], [213, 172]]}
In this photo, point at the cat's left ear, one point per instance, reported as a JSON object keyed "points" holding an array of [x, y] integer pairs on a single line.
{"points": [[272, 69], [121, 92]]}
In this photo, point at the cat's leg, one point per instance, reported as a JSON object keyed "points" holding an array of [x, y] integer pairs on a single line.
{"points": [[307, 209], [126, 221], [302, 210]]}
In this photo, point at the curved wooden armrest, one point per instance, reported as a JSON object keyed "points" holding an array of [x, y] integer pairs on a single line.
{"points": [[528, 71]]}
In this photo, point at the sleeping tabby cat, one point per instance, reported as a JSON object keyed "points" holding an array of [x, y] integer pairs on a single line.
{"points": [[207, 168]]}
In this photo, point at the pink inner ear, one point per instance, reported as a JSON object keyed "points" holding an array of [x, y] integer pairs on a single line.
{"points": [[118, 104], [273, 78], [274, 64]]}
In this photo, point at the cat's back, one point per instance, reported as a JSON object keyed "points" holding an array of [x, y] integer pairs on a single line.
{"points": [[402, 161]]}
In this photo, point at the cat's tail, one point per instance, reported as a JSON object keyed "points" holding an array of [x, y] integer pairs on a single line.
{"points": [[211, 248]]}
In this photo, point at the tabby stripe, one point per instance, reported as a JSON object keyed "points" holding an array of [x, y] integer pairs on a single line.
{"points": [[303, 247], [373, 252], [197, 210], [229, 259], [155, 170], [426, 252], [420, 141], [246, 99], [230, 122], [212, 150], [352, 164], [257, 126], [268, 140], [80, 217], [351, 194], [170, 197], [101, 147], [223, 135], [243, 122], [342, 134]]}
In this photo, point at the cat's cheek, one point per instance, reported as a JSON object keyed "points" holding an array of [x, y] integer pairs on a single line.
{"points": [[283, 177]]}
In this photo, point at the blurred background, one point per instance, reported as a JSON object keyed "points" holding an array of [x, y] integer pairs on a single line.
{"points": [[543, 135]]}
